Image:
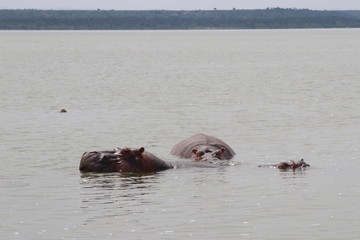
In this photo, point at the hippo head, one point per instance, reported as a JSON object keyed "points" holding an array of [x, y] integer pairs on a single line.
{"points": [[208, 154], [293, 165], [137, 160], [302, 164], [127, 160], [129, 155]]}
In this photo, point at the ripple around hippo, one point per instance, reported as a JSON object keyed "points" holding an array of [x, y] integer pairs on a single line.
{"points": [[288, 165]]}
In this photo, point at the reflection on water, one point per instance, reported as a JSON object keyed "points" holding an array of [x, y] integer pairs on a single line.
{"points": [[100, 179], [116, 194], [129, 184]]}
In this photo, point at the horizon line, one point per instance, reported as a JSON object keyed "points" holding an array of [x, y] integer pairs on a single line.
{"points": [[213, 9]]}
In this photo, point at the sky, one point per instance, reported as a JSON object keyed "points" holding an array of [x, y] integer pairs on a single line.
{"points": [[180, 4]]}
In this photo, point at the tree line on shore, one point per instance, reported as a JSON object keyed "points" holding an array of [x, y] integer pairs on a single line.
{"points": [[271, 18]]}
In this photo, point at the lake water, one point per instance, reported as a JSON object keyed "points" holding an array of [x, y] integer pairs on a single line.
{"points": [[272, 95]]}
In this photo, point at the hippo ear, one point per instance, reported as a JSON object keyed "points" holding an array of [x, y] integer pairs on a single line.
{"points": [[194, 151], [222, 150], [141, 150]]}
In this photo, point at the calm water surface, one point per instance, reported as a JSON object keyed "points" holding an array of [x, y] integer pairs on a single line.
{"points": [[271, 95]]}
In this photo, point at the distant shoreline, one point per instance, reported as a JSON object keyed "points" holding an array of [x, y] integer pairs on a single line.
{"points": [[271, 18]]}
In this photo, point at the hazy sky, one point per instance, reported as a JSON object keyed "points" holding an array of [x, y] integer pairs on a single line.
{"points": [[179, 4]]}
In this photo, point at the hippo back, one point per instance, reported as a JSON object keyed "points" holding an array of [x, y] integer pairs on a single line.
{"points": [[96, 161], [184, 148]]}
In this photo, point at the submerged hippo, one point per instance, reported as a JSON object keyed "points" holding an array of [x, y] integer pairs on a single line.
{"points": [[122, 160], [201, 147], [289, 165], [128, 160]]}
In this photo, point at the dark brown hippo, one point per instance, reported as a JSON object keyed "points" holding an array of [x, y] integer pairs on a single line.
{"points": [[129, 160], [289, 165], [201, 147], [122, 160]]}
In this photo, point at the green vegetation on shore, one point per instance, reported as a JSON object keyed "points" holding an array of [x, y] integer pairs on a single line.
{"points": [[274, 18]]}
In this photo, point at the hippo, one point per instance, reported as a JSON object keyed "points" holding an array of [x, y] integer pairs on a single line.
{"points": [[289, 165], [201, 147], [122, 160], [128, 160]]}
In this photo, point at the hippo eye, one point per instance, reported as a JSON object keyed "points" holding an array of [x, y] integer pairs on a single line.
{"points": [[200, 153], [124, 150], [217, 154]]}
